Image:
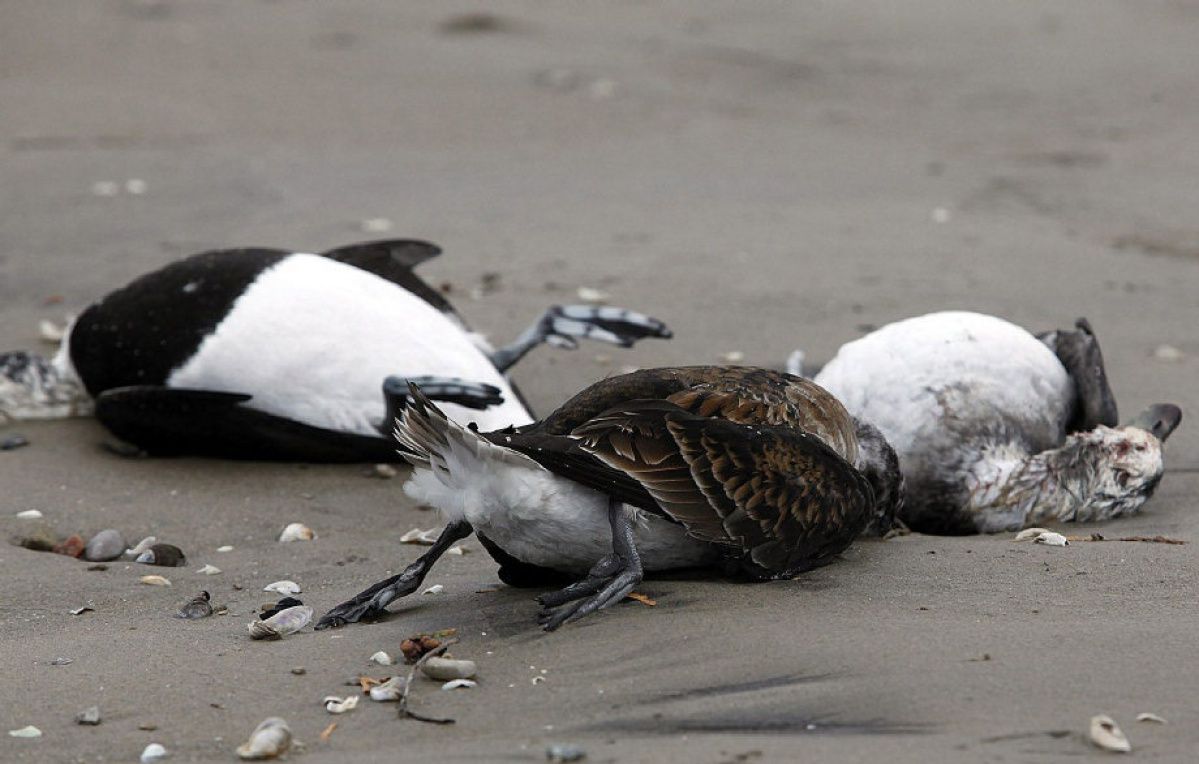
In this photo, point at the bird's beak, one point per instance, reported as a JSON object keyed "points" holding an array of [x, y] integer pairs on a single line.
{"points": [[1159, 419]]}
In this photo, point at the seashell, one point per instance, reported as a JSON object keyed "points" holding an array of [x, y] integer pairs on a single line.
{"points": [[456, 550], [198, 607], [269, 739], [1108, 736], [225, 548], [154, 581], [1030, 534], [26, 731], [209, 570], [88, 608], [141, 546], [71, 546], [281, 624], [336, 705], [296, 532], [459, 684], [434, 589], [384, 471], [592, 295], [51, 332], [153, 752], [283, 587], [104, 546], [560, 752], [1152, 718], [388, 691], [382, 658], [30, 514], [89, 716], [443, 669], [1049, 538], [164, 555], [417, 536]]}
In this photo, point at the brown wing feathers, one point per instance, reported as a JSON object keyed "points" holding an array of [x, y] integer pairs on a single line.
{"points": [[780, 495]]}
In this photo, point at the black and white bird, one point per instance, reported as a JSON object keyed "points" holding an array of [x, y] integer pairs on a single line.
{"points": [[273, 354], [758, 472], [997, 429]]}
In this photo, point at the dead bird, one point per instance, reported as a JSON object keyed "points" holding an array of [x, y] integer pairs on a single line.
{"points": [[757, 471], [273, 354], [997, 428]]}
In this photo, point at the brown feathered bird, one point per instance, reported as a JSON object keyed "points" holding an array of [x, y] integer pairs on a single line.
{"points": [[754, 470]]}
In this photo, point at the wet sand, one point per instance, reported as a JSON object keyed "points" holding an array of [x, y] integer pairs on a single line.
{"points": [[762, 177]]}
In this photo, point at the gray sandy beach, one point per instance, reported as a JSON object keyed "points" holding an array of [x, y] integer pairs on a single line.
{"points": [[761, 176]]}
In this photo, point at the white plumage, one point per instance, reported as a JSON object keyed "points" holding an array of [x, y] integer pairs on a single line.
{"points": [[289, 342]]}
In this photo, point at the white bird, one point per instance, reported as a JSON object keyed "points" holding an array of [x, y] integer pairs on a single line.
{"points": [[997, 428], [272, 354]]}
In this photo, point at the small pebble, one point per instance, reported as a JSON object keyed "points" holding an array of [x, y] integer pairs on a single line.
{"points": [[153, 752], [444, 669], [104, 546], [299, 670], [13, 442], [62, 662], [89, 716], [163, 555]]}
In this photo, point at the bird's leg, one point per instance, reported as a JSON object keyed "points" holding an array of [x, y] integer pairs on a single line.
{"points": [[608, 582], [562, 325], [472, 395], [373, 601]]}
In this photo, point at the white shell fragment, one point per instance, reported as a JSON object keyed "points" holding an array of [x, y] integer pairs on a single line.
{"points": [[209, 570], [1151, 718], [269, 739], [30, 514], [142, 546], [284, 587], [1107, 735], [1168, 353], [286, 621], [50, 331], [733, 356], [1049, 538], [296, 532], [88, 608], [457, 550], [155, 581], [1030, 534], [382, 658], [26, 731], [434, 589], [459, 683], [153, 752], [592, 295], [336, 705], [225, 548], [417, 536], [443, 669], [388, 691]]}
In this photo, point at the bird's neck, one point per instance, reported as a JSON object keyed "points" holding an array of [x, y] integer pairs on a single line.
{"points": [[1011, 489]]}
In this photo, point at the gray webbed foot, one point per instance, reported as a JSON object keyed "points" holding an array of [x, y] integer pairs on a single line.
{"points": [[608, 582], [564, 325], [373, 601], [473, 395]]}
